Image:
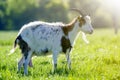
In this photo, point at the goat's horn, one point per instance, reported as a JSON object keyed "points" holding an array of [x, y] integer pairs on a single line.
{"points": [[77, 10]]}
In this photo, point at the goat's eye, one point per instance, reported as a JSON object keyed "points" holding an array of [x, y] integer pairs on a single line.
{"points": [[82, 22]]}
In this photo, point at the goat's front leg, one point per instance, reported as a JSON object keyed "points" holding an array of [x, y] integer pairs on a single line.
{"points": [[27, 60], [68, 60], [55, 55]]}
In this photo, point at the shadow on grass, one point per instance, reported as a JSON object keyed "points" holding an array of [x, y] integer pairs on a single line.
{"points": [[44, 62], [62, 72]]}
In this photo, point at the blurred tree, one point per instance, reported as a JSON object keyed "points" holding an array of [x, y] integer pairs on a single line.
{"points": [[15, 13], [10, 9], [54, 10], [2, 13]]}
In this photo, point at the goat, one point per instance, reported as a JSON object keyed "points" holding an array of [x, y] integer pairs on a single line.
{"points": [[38, 38]]}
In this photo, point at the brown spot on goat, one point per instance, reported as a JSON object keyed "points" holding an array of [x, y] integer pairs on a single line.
{"points": [[69, 27], [65, 43]]}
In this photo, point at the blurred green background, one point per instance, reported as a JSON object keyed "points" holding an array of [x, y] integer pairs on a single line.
{"points": [[15, 13]]}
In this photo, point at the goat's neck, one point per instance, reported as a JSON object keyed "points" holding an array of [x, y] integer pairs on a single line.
{"points": [[73, 33]]}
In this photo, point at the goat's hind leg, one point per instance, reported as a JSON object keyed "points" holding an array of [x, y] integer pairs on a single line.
{"points": [[27, 56], [20, 63], [30, 63]]}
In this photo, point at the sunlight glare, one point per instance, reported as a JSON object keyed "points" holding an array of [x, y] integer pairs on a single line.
{"points": [[112, 5]]}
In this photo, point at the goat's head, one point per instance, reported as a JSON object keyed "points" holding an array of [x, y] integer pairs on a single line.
{"points": [[84, 22]]}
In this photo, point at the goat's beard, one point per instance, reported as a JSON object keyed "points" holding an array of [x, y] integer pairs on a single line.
{"points": [[84, 38]]}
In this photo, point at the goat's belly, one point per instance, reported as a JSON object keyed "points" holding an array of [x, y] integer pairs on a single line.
{"points": [[42, 53], [41, 50]]}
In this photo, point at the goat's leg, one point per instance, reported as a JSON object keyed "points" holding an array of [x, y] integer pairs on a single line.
{"points": [[68, 60], [55, 55], [30, 63], [20, 63], [27, 60]]}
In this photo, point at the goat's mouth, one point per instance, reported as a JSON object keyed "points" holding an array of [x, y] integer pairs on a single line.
{"points": [[91, 32], [88, 32]]}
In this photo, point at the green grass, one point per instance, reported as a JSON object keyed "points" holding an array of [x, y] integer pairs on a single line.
{"points": [[98, 60]]}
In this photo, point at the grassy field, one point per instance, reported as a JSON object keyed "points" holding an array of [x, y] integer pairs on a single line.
{"points": [[98, 60]]}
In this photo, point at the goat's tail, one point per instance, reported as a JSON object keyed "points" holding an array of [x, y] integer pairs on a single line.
{"points": [[15, 44]]}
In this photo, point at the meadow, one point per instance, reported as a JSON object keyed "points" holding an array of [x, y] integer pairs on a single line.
{"points": [[98, 60]]}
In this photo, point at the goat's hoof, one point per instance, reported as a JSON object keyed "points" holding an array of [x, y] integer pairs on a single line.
{"points": [[17, 72], [25, 74], [69, 68], [54, 71]]}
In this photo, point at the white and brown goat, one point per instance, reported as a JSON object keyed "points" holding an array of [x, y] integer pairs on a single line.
{"points": [[38, 38]]}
